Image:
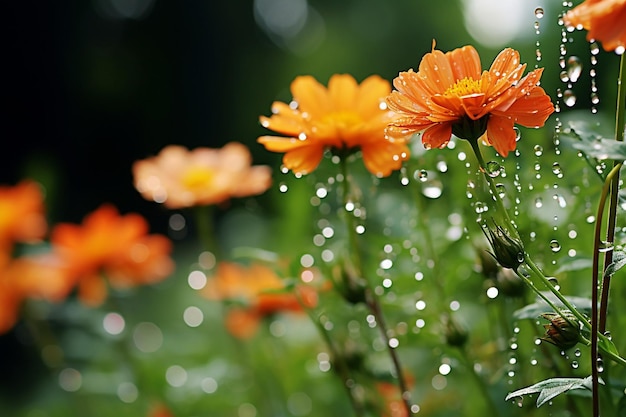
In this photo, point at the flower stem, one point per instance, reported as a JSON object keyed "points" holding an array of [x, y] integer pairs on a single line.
{"points": [[371, 300], [610, 231]]}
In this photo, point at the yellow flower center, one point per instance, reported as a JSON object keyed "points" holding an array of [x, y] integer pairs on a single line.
{"points": [[342, 119], [464, 87], [198, 177]]}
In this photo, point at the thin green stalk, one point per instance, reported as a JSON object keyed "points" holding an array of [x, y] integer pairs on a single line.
{"points": [[608, 184], [371, 300], [206, 229], [610, 232]]}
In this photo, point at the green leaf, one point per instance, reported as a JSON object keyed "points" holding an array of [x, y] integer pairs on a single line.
{"points": [[534, 310], [619, 260], [583, 136], [573, 264], [550, 388]]}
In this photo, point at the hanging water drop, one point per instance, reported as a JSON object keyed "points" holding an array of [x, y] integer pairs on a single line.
{"points": [[556, 170], [600, 365], [538, 202], [501, 190], [283, 188], [538, 149], [539, 12], [569, 98], [555, 246], [494, 169], [574, 68]]}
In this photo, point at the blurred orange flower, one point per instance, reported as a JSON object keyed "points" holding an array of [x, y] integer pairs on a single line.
{"points": [[257, 292], [114, 245], [178, 177], [22, 214], [393, 402], [449, 95], [605, 21], [344, 116], [38, 276]]}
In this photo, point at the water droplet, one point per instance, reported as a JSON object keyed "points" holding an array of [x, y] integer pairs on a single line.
{"points": [[569, 98], [494, 169], [538, 202], [539, 12], [556, 169], [538, 149], [574, 364], [283, 188], [594, 48], [501, 190], [605, 246], [555, 246], [600, 365], [554, 282], [433, 189], [421, 175], [574, 68]]}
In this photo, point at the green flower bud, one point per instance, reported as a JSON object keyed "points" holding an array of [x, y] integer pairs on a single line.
{"points": [[559, 331], [508, 251], [455, 333]]}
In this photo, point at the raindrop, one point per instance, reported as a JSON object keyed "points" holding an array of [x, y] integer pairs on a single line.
{"points": [[575, 364], [577, 353], [538, 202], [600, 364], [433, 189], [569, 98], [494, 169], [539, 12], [283, 188], [605, 246], [501, 190], [594, 48], [421, 175], [556, 170], [554, 282], [574, 68], [538, 149], [555, 246]]}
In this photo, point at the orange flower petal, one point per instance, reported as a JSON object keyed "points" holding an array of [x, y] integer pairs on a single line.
{"points": [[500, 134], [603, 19], [437, 136]]}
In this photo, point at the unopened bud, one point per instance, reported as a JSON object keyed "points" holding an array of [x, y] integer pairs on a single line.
{"points": [[508, 251], [561, 332], [456, 334]]}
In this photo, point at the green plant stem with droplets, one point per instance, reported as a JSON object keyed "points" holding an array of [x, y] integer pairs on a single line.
{"points": [[612, 183], [535, 269], [371, 300], [441, 290]]}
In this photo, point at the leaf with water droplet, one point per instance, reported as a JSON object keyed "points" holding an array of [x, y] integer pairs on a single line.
{"points": [[619, 261], [550, 388]]}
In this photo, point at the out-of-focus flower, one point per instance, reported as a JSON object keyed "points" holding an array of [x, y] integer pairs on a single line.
{"points": [[40, 276], [345, 116], [110, 245], [559, 331], [449, 95], [393, 402], [255, 291], [508, 251], [604, 20], [178, 177], [22, 214], [160, 410]]}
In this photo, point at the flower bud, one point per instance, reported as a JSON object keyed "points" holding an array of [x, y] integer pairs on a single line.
{"points": [[349, 285], [559, 331], [508, 251], [455, 333]]}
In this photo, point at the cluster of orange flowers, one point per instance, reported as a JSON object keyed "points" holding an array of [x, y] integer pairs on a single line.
{"points": [[106, 248]]}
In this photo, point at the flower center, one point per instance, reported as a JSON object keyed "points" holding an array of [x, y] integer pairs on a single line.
{"points": [[465, 87], [342, 119], [197, 177]]}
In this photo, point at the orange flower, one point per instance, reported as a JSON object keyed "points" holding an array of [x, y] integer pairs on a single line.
{"points": [[115, 245], [344, 116], [258, 292], [29, 277], [605, 21], [449, 95], [22, 214], [178, 177]]}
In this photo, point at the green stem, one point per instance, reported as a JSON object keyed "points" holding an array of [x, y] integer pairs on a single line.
{"points": [[610, 232], [608, 184], [206, 229], [371, 300], [492, 187]]}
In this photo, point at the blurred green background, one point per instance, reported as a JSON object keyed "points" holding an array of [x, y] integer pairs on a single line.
{"points": [[92, 86]]}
